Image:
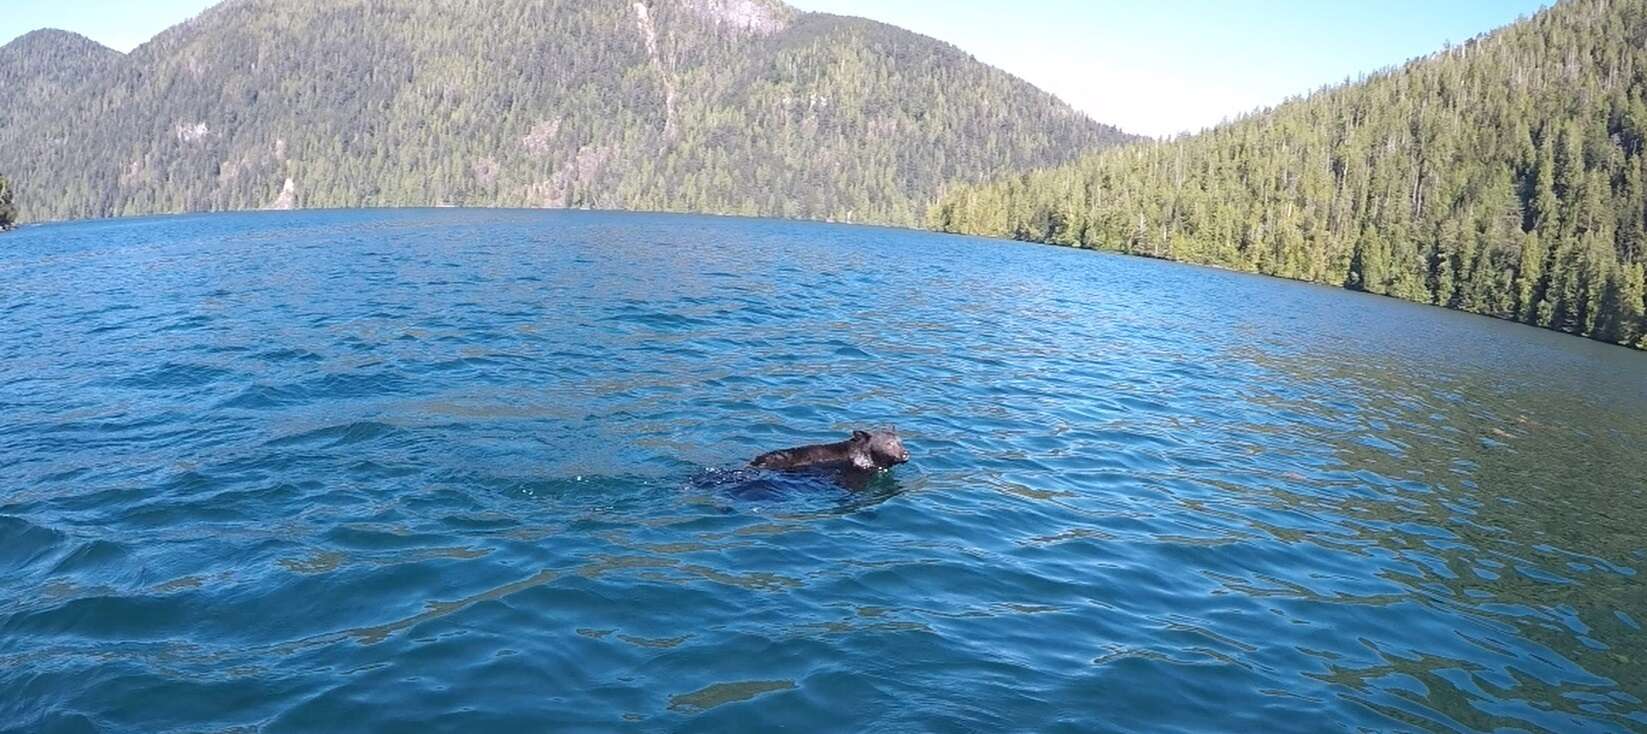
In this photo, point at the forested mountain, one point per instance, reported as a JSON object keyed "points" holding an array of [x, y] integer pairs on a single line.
{"points": [[42, 68], [732, 106], [1504, 176]]}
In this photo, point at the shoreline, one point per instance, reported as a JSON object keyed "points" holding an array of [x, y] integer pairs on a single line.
{"points": [[871, 225]]}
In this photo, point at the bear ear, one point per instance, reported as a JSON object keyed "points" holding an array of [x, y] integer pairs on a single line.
{"points": [[860, 436]]}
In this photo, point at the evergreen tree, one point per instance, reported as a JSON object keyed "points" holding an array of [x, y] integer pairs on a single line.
{"points": [[1505, 177], [8, 211]]}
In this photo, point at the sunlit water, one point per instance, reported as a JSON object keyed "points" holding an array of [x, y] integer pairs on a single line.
{"points": [[477, 470]]}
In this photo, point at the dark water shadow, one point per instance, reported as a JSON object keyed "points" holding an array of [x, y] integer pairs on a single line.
{"points": [[843, 495]]}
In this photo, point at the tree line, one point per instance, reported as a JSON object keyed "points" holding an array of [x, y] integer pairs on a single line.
{"points": [[1504, 176]]}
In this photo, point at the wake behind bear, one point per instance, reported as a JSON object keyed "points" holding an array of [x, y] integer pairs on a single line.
{"points": [[853, 462]]}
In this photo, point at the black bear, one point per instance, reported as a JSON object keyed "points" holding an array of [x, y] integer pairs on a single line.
{"points": [[855, 459]]}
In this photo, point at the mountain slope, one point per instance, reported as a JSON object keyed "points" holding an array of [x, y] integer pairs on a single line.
{"points": [[733, 106], [44, 67], [1503, 177]]}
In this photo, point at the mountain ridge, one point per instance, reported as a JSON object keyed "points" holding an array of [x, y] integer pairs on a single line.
{"points": [[45, 64], [718, 106]]}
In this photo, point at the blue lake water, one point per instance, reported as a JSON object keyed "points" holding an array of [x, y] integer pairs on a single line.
{"points": [[478, 471]]}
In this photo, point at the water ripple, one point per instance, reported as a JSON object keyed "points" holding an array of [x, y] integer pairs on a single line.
{"points": [[465, 470]]}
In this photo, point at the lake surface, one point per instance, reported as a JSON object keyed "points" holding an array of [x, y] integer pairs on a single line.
{"points": [[478, 470]]}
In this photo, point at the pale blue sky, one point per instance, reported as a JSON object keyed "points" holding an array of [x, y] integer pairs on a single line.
{"points": [[1153, 68]]}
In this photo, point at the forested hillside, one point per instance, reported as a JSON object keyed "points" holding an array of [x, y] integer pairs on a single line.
{"points": [[42, 68], [1504, 176], [731, 106]]}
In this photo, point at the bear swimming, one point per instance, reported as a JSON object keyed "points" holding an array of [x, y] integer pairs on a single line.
{"points": [[856, 459]]}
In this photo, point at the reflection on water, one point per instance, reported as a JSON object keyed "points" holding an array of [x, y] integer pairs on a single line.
{"points": [[475, 470]]}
